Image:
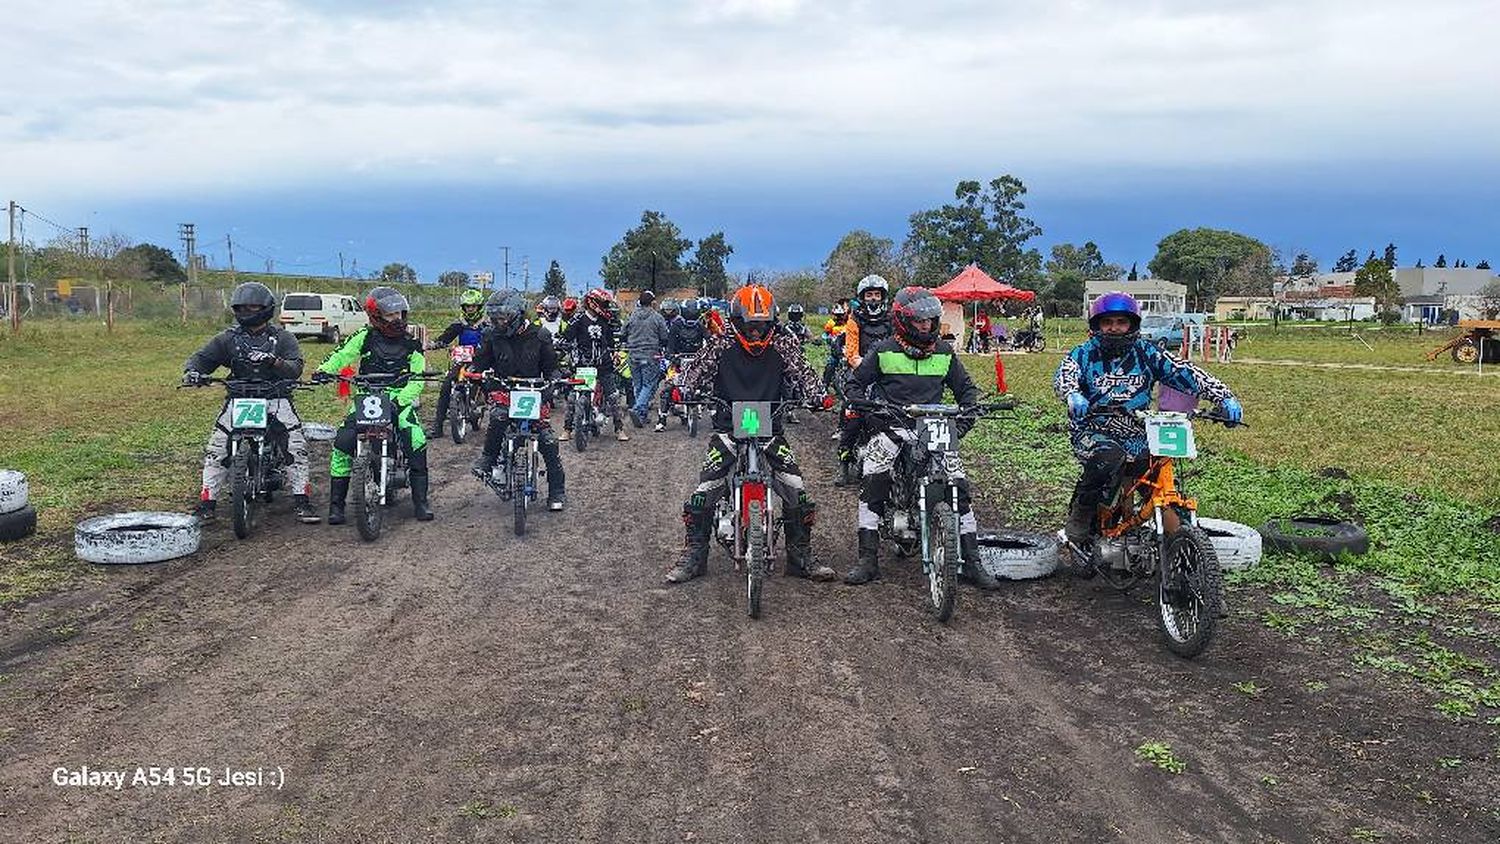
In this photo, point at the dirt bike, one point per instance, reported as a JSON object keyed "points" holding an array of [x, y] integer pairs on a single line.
{"points": [[921, 516], [258, 454], [517, 469], [584, 402], [745, 519], [379, 470], [1150, 530], [689, 414], [468, 404]]}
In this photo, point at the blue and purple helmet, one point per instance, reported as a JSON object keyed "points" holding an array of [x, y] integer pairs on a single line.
{"points": [[1115, 302]]}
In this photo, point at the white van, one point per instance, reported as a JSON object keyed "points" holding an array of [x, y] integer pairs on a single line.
{"points": [[330, 316]]}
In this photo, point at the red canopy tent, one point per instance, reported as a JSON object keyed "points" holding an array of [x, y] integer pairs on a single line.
{"points": [[975, 285]]}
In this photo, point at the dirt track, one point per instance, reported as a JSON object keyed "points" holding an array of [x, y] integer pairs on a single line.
{"points": [[452, 683]]}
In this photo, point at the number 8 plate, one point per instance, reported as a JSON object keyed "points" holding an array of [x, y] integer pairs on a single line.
{"points": [[1170, 435]]}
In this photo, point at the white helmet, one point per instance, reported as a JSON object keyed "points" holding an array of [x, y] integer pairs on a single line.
{"points": [[872, 282]]}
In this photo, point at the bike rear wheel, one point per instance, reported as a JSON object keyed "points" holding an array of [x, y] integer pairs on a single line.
{"points": [[1190, 593], [365, 481], [458, 415], [242, 493], [583, 417], [942, 565], [692, 421], [755, 557]]}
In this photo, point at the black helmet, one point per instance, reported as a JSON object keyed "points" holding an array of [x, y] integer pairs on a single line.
{"points": [[690, 310], [913, 304], [253, 304], [794, 312], [507, 311], [387, 308]]}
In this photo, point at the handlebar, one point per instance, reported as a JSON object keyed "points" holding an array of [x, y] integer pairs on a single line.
{"points": [[1140, 415], [250, 387], [951, 411]]}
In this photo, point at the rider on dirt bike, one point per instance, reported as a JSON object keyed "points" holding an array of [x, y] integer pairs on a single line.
{"points": [[685, 336], [594, 336], [752, 361], [549, 315], [383, 347], [1116, 369], [466, 330], [869, 324], [913, 367], [515, 348], [795, 323], [670, 310], [253, 350]]}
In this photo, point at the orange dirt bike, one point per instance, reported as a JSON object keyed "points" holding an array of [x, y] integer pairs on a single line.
{"points": [[1150, 529]]}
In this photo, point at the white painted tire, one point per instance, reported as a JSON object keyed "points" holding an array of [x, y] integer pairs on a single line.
{"points": [[1017, 555], [14, 492], [1237, 546], [129, 538], [318, 432]]}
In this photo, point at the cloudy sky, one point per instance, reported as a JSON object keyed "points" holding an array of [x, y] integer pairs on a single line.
{"points": [[435, 132]]}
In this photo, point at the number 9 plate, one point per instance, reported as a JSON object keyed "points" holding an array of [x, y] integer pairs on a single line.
{"points": [[525, 404], [1170, 435]]}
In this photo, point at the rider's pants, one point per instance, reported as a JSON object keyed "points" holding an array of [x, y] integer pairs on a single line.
{"points": [[875, 488], [216, 454]]}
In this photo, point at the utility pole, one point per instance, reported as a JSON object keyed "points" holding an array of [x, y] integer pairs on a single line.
{"points": [[10, 261], [229, 240], [505, 276], [341, 265], [83, 241], [526, 272], [190, 249]]}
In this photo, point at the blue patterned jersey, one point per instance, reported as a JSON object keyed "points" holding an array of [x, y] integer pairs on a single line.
{"points": [[1125, 382]]}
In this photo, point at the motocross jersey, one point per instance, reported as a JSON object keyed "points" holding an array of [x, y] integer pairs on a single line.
{"points": [[725, 370], [373, 353], [1125, 382], [684, 337], [466, 334], [593, 340], [233, 346], [890, 373], [861, 334]]}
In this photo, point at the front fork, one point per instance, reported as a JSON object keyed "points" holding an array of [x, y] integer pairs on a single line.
{"points": [[952, 495], [361, 449]]}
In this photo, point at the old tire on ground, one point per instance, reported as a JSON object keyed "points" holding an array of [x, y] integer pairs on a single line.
{"points": [[128, 538], [1322, 537], [17, 524], [14, 492], [1237, 546], [318, 432], [1018, 555]]}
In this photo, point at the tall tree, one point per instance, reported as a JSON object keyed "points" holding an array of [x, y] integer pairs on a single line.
{"points": [[1347, 263], [984, 227], [1304, 265], [456, 279], [1482, 265], [1086, 260], [1489, 301], [1390, 255], [157, 263], [648, 257], [706, 269], [801, 287], [1134, 274], [857, 255], [397, 273], [1204, 258], [555, 284], [1375, 279]]}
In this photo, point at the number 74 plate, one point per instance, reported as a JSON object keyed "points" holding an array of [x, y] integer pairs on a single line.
{"points": [[1170, 435]]}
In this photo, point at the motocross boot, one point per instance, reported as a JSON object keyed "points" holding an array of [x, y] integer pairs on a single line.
{"points": [[971, 571], [694, 562], [419, 506], [799, 556], [302, 508], [338, 490], [869, 559]]}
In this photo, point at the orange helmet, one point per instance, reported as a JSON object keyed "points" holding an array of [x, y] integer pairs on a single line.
{"points": [[752, 312]]}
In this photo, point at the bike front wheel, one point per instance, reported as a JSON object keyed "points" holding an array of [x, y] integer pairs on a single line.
{"points": [[756, 557], [242, 493], [458, 415], [1191, 592], [941, 564], [520, 481], [365, 481]]}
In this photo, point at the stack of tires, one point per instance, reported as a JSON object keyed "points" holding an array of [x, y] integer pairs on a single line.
{"points": [[17, 516]]}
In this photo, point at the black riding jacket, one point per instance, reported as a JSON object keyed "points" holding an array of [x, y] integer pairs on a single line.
{"points": [[593, 339], [685, 338], [529, 354], [888, 372], [231, 348]]}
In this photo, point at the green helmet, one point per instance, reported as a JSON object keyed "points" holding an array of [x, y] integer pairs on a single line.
{"points": [[471, 305]]}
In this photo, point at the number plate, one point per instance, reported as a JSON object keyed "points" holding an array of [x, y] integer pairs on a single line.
{"points": [[462, 354], [589, 375], [374, 411], [752, 420], [1170, 435], [525, 404], [247, 413], [938, 435]]}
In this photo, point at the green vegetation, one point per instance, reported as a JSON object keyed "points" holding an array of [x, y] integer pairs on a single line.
{"points": [[1160, 754]]}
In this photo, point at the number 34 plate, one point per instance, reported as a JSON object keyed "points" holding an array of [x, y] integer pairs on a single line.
{"points": [[1170, 435]]}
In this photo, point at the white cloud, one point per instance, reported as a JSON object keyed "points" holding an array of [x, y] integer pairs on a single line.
{"points": [[224, 95]]}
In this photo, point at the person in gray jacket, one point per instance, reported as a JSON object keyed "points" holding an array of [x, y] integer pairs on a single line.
{"points": [[646, 343]]}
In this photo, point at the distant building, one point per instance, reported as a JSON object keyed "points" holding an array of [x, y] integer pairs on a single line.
{"points": [[1243, 307], [1427, 293], [1155, 295]]}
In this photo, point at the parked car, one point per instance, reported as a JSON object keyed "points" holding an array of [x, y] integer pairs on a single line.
{"points": [[330, 316], [1166, 330]]}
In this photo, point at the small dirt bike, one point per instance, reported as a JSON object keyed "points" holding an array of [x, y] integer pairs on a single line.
{"points": [[584, 402], [258, 455], [379, 470], [921, 516], [688, 413], [468, 404], [1150, 528], [521, 406], [745, 519]]}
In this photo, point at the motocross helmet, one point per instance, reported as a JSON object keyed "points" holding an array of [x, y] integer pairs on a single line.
{"points": [[691, 310], [387, 309], [471, 305], [569, 307], [752, 313], [507, 312], [596, 303], [839, 312], [550, 308], [253, 304], [866, 284], [914, 305], [669, 309], [1115, 303]]}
